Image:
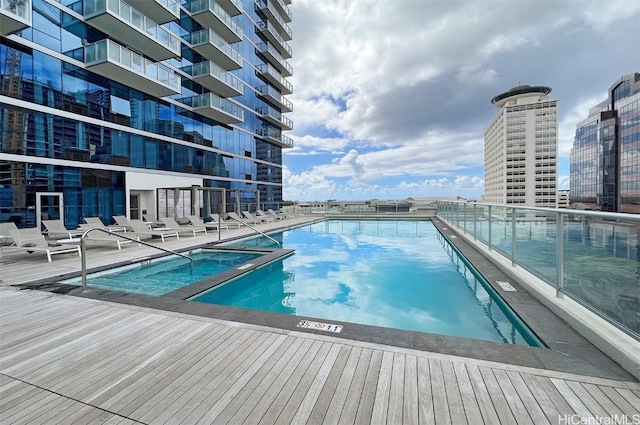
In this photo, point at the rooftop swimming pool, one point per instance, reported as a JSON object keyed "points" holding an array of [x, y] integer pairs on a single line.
{"points": [[397, 274]]}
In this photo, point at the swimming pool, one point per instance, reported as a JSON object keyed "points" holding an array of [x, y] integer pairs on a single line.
{"points": [[396, 274], [163, 275]]}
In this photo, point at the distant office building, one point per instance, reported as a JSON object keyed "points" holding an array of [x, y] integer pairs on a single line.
{"points": [[520, 149], [124, 106], [564, 199], [605, 158]]}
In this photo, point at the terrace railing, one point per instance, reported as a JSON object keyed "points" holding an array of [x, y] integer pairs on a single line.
{"points": [[592, 257]]}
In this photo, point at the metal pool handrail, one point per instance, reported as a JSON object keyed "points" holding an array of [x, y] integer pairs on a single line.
{"points": [[83, 257], [256, 230]]}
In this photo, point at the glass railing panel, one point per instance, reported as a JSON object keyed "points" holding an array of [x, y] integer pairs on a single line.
{"points": [[536, 242], [501, 230], [205, 68], [134, 18], [199, 6], [210, 36], [171, 5], [19, 9], [602, 266], [482, 223]]}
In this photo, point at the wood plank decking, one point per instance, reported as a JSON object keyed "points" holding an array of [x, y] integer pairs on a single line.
{"points": [[69, 360]]}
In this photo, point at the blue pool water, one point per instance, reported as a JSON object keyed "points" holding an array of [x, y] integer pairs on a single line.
{"points": [[396, 274], [159, 277]]}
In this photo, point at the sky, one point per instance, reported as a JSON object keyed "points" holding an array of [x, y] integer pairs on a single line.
{"points": [[392, 97]]}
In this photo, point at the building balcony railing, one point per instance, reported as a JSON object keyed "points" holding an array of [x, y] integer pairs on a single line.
{"points": [[267, 30], [275, 136], [271, 55], [271, 75], [283, 9], [213, 47], [15, 15], [132, 28], [210, 14], [160, 11], [591, 257], [271, 12], [273, 116], [111, 60], [212, 77], [271, 95], [233, 7], [215, 107]]}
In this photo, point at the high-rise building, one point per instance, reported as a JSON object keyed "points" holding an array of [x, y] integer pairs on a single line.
{"points": [[521, 149], [605, 158], [117, 107]]}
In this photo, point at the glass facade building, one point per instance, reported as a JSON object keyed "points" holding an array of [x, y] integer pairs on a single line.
{"points": [[605, 158], [114, 107]]}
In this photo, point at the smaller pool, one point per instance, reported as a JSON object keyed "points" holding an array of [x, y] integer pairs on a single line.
{"points": [[164, 275]]}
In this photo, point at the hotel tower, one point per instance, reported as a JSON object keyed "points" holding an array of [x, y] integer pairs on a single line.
{"points": [[121, 107], [520, 149]]}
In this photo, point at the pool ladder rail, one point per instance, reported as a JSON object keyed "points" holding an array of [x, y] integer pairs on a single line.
{"points": [[83, 257], [255, 230]]}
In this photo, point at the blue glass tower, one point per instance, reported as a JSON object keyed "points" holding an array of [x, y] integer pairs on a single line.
{"points": [[114, 107]]}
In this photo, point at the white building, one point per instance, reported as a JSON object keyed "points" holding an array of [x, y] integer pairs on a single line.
{"points": [[520, 149]]}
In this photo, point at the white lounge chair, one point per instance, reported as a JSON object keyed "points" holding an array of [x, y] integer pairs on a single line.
{"points": [[141, 229], [250, 217], [241, 221], [56, 229], [281, 216], [229, 221], [171, 224], [102, 238], [151, 220], [264, 217], [97, 222], [210, 225], [31, 240], [5, 237]]}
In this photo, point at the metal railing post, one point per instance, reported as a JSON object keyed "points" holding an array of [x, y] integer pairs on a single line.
{"points": [[513, 237], [489, 239], [559, 255]]}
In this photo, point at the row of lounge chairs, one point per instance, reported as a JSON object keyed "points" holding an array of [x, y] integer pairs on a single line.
{"points": [[67, 241]]}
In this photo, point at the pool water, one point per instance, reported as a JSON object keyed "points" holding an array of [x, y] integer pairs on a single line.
{"points": [[396, 274], [159, 277]]}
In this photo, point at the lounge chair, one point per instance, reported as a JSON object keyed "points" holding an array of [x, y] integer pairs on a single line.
{"points": [[56, 229], [281, 216], [199, 222], [171, 224], [227, 222], [31, 240], [141, 229], [152, 221], [241, 221], [263, 216], [99, 237], [97, 222], [260, 215], [5, 237], [252, 217]]}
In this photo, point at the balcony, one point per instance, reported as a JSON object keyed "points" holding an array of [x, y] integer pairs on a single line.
{"points": [[267, 30], [283, 9], [160, 11], [271, 115], [131, 28], [275, 136], [214, 78], [210, 45], [14, 15], [271, 75], [109, 59], [271, 55], [270, 11], [271, 95], [233, 7], [210, 14], [219, 109]]}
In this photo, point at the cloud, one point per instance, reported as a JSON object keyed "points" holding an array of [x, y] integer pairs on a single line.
{"points": [[401, 90]]}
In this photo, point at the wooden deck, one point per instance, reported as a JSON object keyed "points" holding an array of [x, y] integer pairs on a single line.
{"points": [[69, 360]]}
